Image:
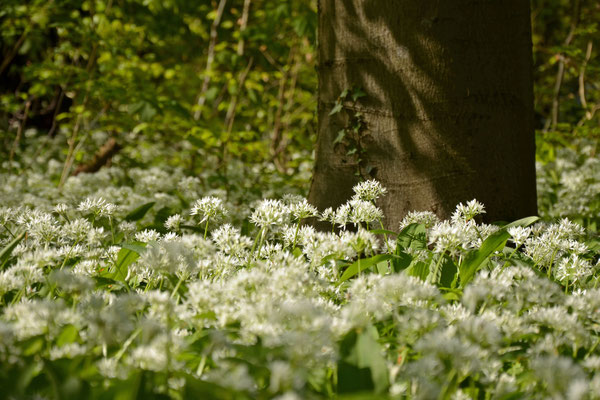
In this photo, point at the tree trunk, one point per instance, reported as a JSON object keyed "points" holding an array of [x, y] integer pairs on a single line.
{"points": [[447, 111]]}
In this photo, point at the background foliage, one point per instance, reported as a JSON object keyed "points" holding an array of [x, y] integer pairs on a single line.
{"points": [[220, 80], [212, 81]]}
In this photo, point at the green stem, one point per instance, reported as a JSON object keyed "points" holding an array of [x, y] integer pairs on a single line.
{"points": [[206, 228], [17, 296], [551, 262], [256, 239], [262, 238], [296, 235], [592, 349], [8, 230], [112, 230], [445, 392], [183, 277], [384, 235], [127, 343], [69, 254]]}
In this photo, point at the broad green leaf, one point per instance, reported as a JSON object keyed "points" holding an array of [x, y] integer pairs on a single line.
{"points": [[128, 254], [401, 261], [418, 269], [139, 212], [364, 264], [449, 271], [7, 250], [137, 247], [199, 389], [495, 242], [522, 222], [362, 366], [382, 268], [68, 335], [474, 259], [412, 236]]}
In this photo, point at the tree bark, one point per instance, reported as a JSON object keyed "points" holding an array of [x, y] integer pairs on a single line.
{"points": [[448, 110]]}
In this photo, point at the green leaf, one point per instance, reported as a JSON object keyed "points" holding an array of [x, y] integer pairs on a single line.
{"points": [[382, 268], [474, 259], [449, 271], [495, 242], [336, 109], [6, 251], [199, 389], [401, 261], [340, 136], [139, 212], [364, 264], [68, 335], [522, 222], [357, 94], [418, 269], [362, 366], [413, 236], [137, 247], [128, 254]]}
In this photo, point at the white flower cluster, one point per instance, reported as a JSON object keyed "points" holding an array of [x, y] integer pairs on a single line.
{"points": [[268, 317], [208, 208]]}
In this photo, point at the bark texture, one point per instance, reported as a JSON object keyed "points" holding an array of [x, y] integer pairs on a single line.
{"points": [[448, 109]]}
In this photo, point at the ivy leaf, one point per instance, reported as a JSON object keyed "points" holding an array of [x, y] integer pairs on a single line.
{"points": [[336, 109], [357, 94], [340, 136]]}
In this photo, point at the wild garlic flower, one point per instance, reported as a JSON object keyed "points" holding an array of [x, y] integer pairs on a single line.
{"points": [[467, 212], [42, 226], [97, 206], [173, 222], [448, 237], [61, 209], [426, 218], [269, 212], [573, 269], [328, 215], [364, 211], [342, 215], [519, 234], [369, 190], [147, 236], [229, 240], [127, 227], [7, 214], [78, 229], [361, 241], [208, 208], [302, 209]]}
